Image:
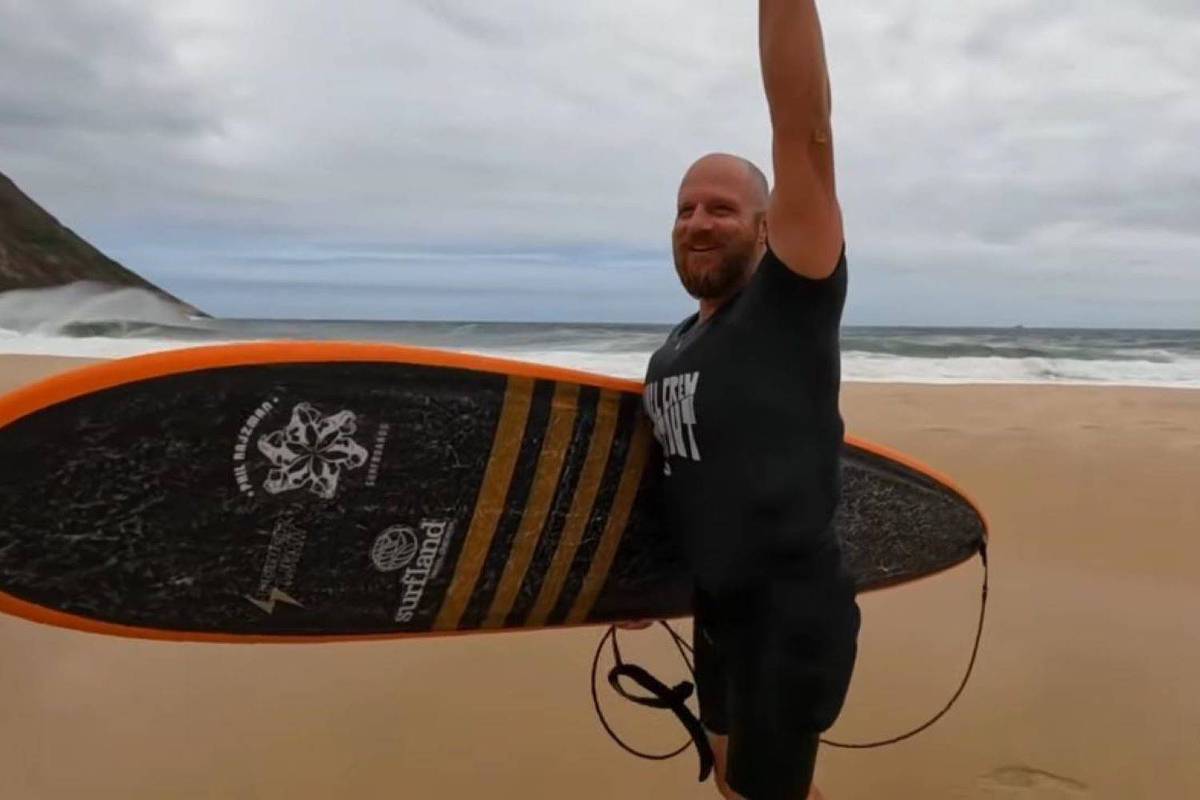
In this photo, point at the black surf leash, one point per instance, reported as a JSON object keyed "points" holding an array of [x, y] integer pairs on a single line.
{"points": [[661, 696], [675, 698]]}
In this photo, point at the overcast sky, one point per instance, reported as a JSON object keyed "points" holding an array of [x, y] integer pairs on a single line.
{"points": [[999, 162]]}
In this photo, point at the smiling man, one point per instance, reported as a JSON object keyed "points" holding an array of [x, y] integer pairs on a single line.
{"points": [[744, 400]]}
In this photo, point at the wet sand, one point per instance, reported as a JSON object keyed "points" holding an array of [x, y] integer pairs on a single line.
{"points": [[1085, 685]]}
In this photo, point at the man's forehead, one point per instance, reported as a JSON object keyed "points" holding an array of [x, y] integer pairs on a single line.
{"points": [[718, 176], [718, 168], [715, 184]]}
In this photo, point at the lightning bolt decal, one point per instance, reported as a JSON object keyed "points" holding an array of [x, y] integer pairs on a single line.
{"points": [[276, 596]]}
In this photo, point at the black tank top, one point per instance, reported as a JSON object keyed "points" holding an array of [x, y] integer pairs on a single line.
{"points": [[745, 408]]}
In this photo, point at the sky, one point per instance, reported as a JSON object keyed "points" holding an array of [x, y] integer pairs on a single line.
{"points": [[998, 163]]}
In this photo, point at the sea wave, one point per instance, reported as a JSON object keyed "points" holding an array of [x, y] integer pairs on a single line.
{"points": [[856, 366], [16, 343], [1183, 373], [85, 308], [94, 321]]}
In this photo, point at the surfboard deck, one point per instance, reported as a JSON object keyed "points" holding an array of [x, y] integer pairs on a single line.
{"points": [[300, 492]]}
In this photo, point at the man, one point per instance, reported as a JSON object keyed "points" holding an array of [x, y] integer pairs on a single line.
{"points": [[744, 400]]}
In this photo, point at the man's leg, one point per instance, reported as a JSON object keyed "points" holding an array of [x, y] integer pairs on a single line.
{"points": [[720, 746], [743, 693], [772, 691], [762, 770], [711, 686]]}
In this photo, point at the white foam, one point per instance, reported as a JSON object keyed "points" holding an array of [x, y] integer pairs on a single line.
{"points": [[87, 346], [865, 367], [49, 311], [872, 367]]}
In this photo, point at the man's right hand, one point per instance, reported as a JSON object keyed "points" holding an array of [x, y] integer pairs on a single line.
{"points": [[635, 625]]}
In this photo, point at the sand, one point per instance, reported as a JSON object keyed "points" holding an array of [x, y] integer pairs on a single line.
{"points": [[1085, 686]]}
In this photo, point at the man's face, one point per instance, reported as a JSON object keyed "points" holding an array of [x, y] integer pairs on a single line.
{"points": [[716, 234]]}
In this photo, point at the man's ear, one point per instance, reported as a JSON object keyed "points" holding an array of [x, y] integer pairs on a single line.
{"points": [[762, 228]]}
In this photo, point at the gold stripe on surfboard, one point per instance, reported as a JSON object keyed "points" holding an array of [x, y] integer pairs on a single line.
{"points": [[564, 408], [506, 445], [581, 507], [618, 518]]}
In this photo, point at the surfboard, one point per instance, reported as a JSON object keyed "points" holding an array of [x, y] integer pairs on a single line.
{"points": [[311, 492]]}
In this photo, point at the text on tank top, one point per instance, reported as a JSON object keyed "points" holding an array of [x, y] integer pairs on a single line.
{"points": [[745, 408]]}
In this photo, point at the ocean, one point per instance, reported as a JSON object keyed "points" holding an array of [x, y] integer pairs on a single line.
{"points": [[78, 320]]}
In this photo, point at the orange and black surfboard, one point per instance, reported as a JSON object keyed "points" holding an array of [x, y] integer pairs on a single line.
{"points": [[298, 492]]}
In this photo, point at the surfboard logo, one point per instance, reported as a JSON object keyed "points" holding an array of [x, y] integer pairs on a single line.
{"points": [[421, 555], [394, 548], [284, 552], [311, 451]]}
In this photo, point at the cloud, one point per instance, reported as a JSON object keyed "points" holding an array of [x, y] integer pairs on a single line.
{"points": [[108, 67], [982, 149]]}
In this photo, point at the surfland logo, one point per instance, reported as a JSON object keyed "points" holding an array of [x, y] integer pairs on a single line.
{"points": [[394, 548], [311, 451], [420, 553]]}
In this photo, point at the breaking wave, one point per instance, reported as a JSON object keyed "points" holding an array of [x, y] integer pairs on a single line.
{"points": [[98, 321]]}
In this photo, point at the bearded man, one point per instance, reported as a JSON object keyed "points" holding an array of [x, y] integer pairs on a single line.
{"points": [[744, 400]]}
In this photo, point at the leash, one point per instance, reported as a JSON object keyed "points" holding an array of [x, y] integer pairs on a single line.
{"points": [[675, 698]]}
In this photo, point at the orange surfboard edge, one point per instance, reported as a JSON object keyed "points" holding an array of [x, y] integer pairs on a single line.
{"points": [[98, 377]]}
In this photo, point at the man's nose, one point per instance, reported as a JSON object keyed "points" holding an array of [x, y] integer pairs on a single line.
{"points": [[701, 220]]}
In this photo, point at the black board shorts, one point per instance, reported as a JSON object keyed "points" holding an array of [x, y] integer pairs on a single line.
{"points": [[773, 667]]}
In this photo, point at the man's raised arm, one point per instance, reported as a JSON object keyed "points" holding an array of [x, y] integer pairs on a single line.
{"points": [[804, 221]]}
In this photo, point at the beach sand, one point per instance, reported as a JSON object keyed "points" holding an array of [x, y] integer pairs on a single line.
{"points": [[1085, 685]]}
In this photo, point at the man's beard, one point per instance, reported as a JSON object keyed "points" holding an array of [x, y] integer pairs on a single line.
{"points": [[720, 280]]}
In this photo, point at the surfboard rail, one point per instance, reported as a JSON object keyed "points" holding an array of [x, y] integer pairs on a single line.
{"points": [[96, 378]]}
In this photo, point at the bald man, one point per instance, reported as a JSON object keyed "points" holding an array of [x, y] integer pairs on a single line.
{"points": [[744, 400]]}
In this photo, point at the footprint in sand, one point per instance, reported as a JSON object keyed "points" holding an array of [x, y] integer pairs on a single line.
{"points": [[1162, 426], [1027, 783]]}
